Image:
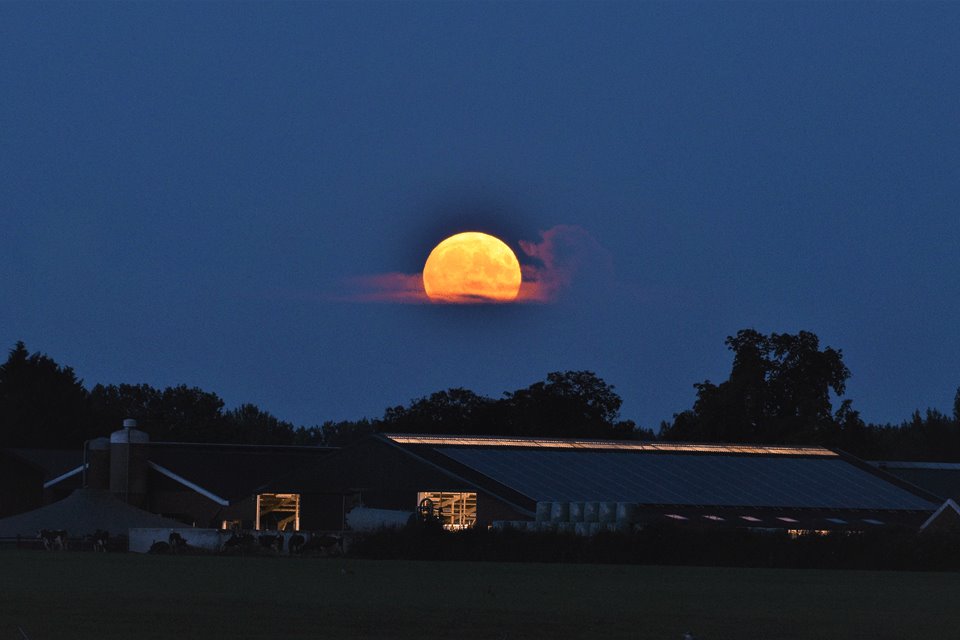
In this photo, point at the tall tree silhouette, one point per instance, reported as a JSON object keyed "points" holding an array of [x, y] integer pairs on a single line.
{"points": [[42, 404], [779, 390]]}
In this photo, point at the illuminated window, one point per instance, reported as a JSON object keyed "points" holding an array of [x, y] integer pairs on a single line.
{"points": [[278, 511], [836, 520], [872, 521], [714, 518], [786, 519], [456, 510], [676, 516], [750, 518]]}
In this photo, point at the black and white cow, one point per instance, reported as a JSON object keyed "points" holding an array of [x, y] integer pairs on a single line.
{"points": [[53, 539], [100, 539], [295, 543], [323, 544], [272, 541], [176, 541], [239, 540]]}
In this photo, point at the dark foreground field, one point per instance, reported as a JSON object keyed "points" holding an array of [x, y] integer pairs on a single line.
{"points": [[104, 596]]}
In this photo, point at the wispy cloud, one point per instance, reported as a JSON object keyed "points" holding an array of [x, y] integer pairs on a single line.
{"points": [[404, 288], [563, 254], [550, 266]]}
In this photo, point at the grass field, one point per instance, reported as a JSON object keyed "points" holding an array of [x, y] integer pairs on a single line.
{"points": [[77, 596]]}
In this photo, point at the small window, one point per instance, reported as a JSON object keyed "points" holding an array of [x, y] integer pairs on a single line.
{"points": [[714, 518], [750, 518], [278, 511], [676, 516], [786, 519], [837, 520], [455, 510], [872, 521]]}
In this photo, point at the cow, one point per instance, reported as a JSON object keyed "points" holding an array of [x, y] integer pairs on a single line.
{"points": [[324, 544], [239, 540], [176, 542], [295, 544], [272, 541], [100, 539], [53, 539], [160, 547]]}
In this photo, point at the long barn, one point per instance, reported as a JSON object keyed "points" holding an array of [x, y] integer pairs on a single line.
{"points": [[577, 485], [480, 481]]}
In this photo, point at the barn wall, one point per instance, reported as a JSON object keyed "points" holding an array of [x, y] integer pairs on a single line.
{"points": [[490, 509], [379, 476], [173, 500], [324, 512]]}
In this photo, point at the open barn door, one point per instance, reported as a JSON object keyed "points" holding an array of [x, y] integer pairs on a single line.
{"points": [[278, 511], [455, 510]]}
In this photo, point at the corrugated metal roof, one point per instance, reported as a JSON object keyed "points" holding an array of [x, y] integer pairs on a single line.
{"points": [[606, 445], [751, 476]]}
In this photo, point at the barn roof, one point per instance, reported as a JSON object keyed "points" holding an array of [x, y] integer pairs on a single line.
{"points": [[53, 462], [228, 471], [82, 513], [946, 518], [544, 469], [940, 478]]}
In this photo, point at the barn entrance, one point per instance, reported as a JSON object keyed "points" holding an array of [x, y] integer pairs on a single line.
{"points": [[278, 511], [456, 510]]}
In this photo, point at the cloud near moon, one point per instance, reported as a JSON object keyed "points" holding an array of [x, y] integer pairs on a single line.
{"points": [[550, 267]]}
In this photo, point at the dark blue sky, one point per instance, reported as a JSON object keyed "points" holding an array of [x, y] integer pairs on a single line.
{"points": [[188, 190]]}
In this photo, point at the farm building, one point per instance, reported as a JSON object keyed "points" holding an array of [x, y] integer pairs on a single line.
{"points": [[577, 485], [205, 485], [470, 481]]}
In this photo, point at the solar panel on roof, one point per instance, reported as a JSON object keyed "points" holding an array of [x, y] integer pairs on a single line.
{"points": [[682, 479]]}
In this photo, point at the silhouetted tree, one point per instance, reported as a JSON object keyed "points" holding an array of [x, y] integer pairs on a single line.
{"points": [[567, 404], [248, 424], [176, 414], [778, 391], [454, 411], [111, 404], [956, 406], [42, 404], [337, 434]]}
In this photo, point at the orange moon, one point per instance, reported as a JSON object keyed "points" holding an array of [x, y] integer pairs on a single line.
{"points": [[472, 267]]}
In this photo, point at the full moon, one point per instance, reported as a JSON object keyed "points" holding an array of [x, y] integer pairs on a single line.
{"points": [[472, 267]]}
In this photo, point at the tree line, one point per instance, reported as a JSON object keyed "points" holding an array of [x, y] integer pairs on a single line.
{"points": [[781, 390], [44, 405]]}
